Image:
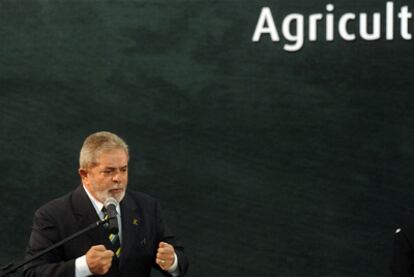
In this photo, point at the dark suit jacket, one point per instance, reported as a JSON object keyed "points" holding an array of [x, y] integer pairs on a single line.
{"points": [[142, 230], [402, 261]]}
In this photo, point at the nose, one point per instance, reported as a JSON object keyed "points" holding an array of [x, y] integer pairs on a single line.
{"points": [[116, 178]]}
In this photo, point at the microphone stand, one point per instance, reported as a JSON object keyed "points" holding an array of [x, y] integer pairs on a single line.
{"points": [[10, 268]]}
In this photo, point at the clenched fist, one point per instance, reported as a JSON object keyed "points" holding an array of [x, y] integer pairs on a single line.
{"points": [[165, 255], [99, 259]]}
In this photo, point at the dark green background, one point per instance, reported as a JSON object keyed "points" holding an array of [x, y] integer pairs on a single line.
{"points": [[267, 163]]}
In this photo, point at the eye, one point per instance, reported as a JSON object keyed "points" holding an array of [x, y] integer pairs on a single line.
{"points": [[107, 171]]}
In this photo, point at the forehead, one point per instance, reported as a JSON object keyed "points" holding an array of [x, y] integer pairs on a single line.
{"points": [[112, 158]]}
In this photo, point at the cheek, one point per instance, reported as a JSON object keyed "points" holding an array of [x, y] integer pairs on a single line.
{"points": [[102, 183]]}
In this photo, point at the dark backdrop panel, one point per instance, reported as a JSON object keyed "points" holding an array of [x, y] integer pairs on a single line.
{"points": [[266, 162]]}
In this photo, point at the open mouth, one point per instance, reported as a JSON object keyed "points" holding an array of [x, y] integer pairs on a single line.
{"points": [[115, 191]]}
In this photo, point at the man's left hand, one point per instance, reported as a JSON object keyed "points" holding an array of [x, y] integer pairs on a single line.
{"points": [[165, 255]]}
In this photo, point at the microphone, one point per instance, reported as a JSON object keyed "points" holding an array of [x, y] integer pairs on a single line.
{"points": [[110, 205]]}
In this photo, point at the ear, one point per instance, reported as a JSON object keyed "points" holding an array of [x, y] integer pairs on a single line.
{"points": [[83, 173]]}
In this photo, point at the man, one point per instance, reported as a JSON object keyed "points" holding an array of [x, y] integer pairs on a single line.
{"points": [[143, 242]]}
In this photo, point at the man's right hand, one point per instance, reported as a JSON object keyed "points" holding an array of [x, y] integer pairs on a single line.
{"points": [[99, 259]]}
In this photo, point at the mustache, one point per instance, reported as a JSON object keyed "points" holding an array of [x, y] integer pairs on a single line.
{"points": [[117, 186]]}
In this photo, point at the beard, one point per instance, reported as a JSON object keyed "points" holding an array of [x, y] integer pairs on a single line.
{"points": [[102, 195]]}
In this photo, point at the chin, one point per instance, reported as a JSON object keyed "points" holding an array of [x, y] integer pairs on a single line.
{"points": [[105, 195], [118, 196]]}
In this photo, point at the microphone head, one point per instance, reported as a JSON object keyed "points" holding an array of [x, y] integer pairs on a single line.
{"points": [[110, 205], [110, 201]]}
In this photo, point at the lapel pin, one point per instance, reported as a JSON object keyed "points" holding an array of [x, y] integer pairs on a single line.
{"points": [[135, 222]]}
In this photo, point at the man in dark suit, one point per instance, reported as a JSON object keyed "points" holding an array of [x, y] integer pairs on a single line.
{"points": [[144, 240]]}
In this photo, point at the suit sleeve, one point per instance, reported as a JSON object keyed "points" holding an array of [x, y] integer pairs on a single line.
{"points": [[402, 260], [164, 234], [45, 233]]}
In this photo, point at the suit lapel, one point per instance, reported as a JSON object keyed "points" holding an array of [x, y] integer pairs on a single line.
{"points": [[130, 227]]}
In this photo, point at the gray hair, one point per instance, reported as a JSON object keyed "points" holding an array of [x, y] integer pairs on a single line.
{"points": [[96, 144]]}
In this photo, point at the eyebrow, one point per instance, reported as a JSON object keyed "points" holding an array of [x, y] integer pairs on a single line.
{"points": [[112, 167]]}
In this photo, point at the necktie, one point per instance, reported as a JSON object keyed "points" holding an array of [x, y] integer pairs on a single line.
{"points": [[114, 238]]}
